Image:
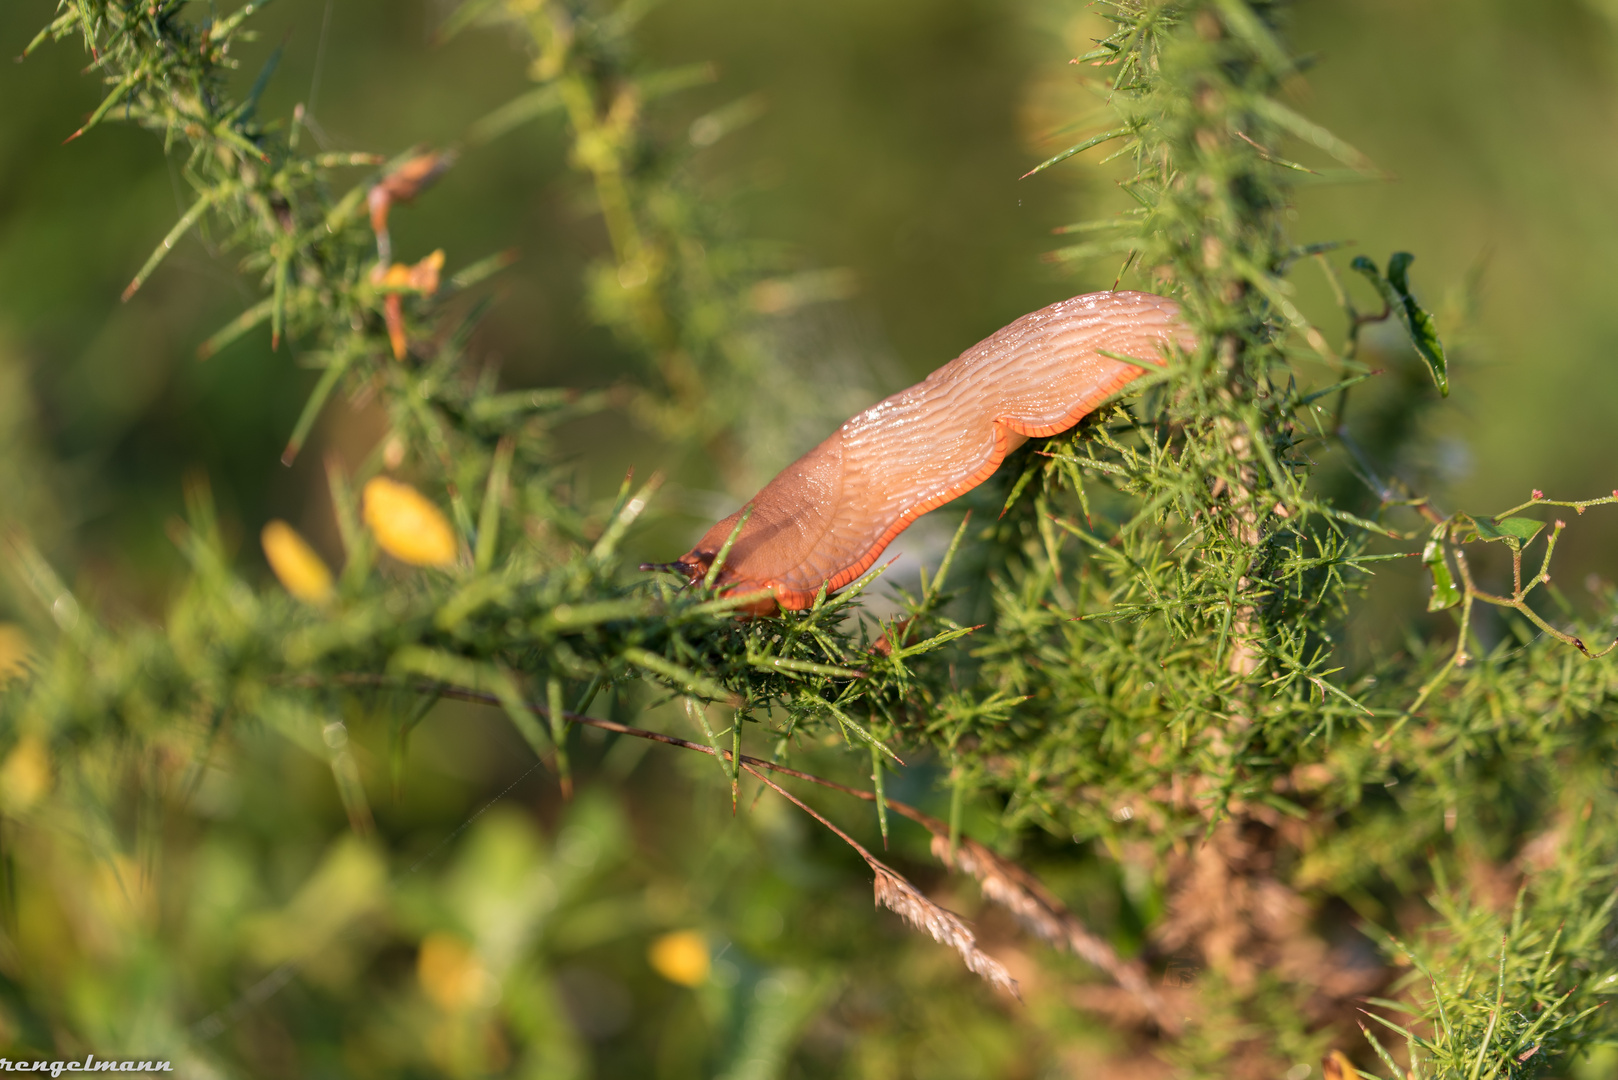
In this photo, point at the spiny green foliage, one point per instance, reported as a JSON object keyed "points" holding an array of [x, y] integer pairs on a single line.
{"points": [[536, 608], [679, 287], [451, 424], [1162, 676], [1170, 595], [313, 249], [541, 602]]}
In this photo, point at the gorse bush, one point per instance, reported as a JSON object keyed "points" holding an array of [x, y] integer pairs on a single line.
{"points": [[1136, 664]]}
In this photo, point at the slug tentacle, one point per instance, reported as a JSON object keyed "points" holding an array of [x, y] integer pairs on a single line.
{"points": [[828, 516]]}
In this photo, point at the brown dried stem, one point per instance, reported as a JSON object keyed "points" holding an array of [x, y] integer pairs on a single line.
{"points": [[1003, 881], [895, 893]]}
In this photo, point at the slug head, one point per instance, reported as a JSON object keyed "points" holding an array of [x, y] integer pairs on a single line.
{"points": [[694, 566]]}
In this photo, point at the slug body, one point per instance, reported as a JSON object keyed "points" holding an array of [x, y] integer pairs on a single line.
{"points": [[827, 517]]}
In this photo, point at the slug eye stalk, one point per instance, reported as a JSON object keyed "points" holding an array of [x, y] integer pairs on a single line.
{"points": [[693, 567], [676, 567]]}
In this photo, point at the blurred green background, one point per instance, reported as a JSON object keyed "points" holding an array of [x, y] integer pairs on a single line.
{"points": [[891, 145]]}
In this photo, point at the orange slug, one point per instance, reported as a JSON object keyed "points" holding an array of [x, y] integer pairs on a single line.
{"points": [[824, 520]]}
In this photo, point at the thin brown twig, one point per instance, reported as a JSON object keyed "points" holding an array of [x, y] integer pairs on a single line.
{"points": [[1517, 601], [1025, 896], [894, 892], [1003, 881]]}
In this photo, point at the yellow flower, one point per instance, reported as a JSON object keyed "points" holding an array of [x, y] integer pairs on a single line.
{"points": [[681, 957], [407, 525], [303, 572], [1336, 1066], [450, 973], [13, 653], [26, 774], [421, 277]]}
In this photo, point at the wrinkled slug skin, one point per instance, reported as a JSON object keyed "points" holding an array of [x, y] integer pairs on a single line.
{"points": [[828, 515]]}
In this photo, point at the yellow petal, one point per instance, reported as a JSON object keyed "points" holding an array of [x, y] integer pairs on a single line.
{"points": [[13, 653], [450, 973], [26, 774], [1336, 1066], [423, 276], [393, 315], [303, 572], [407, 525], [681, 957]]}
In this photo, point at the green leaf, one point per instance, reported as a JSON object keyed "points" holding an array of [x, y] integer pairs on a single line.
{"points": [[658, 84], [62, 24], [236, 328], [1241, 22], [804, 667], [483, 268], [1418, 322], [730, 603], [710, 127], [1362, 265], [1079, 148], [579, 616], [249, 106], [1515, 531], [498, 406], [848, 723], [489, 514], [1017, 489], [1312, 133], [477, 676], [930, 592], [181, 227], [1445, 594], [718, 563], [317, 397], [530, 105], [1077, 252], [553, 708], [624, 515], [690, 682], [881, 793], [112, 98], [464, 16], [934, 642]]}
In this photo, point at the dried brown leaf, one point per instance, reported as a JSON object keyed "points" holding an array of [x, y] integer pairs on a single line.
{"points": [[897, 894], [1025, 896], [947, 928]]}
